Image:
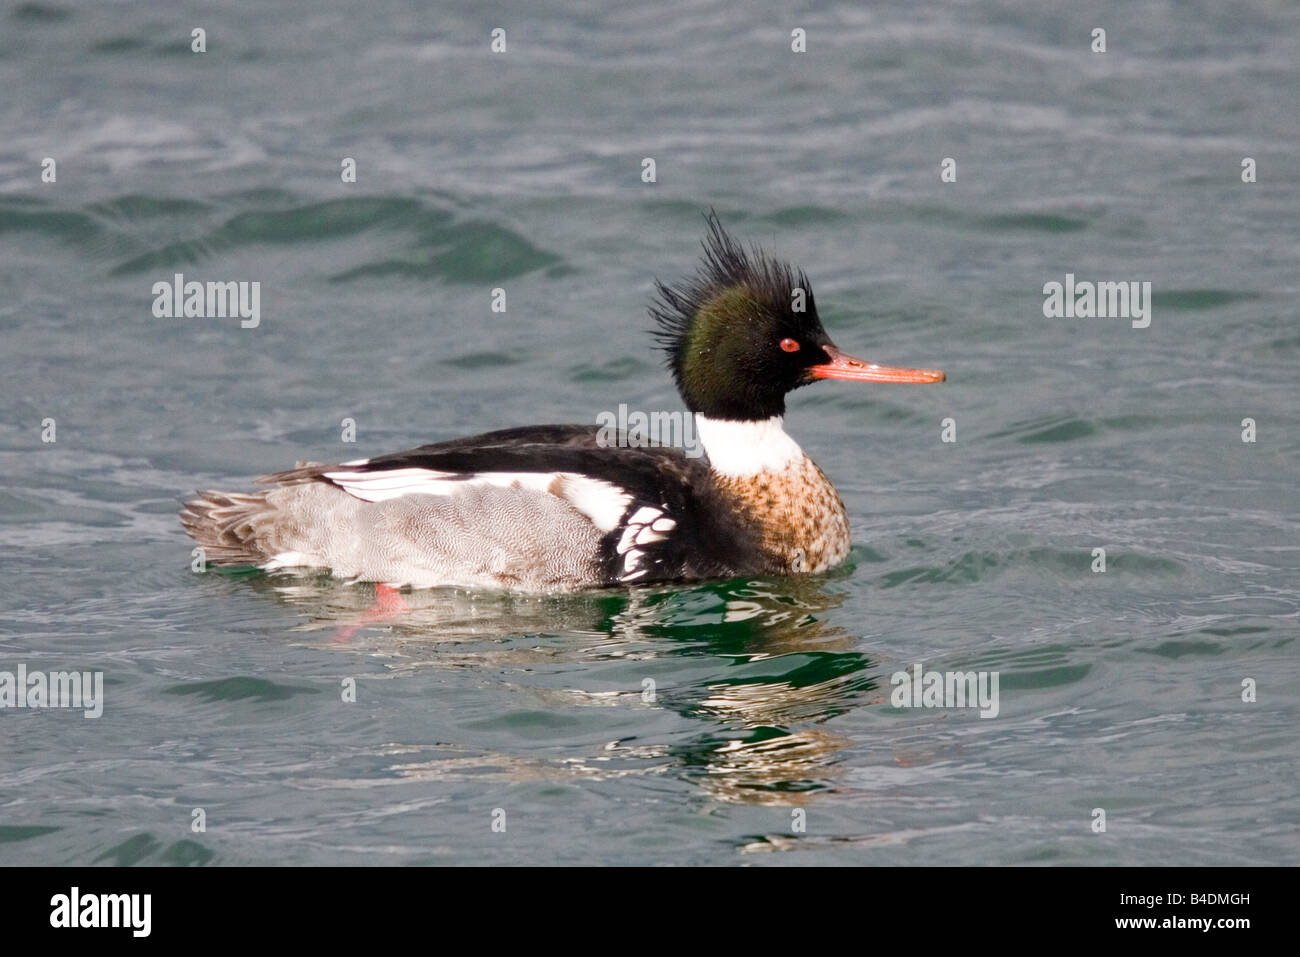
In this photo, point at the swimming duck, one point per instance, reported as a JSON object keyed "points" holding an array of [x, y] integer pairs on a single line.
{"points": [[555, 508]]}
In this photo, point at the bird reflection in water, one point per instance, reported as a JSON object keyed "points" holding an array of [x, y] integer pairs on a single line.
{"points": [[755, 662]]}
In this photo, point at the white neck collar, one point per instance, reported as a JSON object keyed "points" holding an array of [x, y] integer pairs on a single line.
{"points": [[739, 449]]}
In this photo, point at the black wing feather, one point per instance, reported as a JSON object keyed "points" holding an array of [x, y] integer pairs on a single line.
{"points": [[703, 544]]}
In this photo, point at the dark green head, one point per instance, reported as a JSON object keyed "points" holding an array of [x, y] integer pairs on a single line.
{"points": [[740, 333], [743, 331]]}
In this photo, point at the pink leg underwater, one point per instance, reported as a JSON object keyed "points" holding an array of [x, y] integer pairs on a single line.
{"points": [[389, 603]]}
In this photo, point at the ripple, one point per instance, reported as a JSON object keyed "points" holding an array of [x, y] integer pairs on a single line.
{"points": [[67, 225], [483, 360], [969, 568], [134, 207], [1193, 299], [1048, 428], [1181, 649], [120, 45], [37, 13], [10, 833], [146, 847], [240, 689], [437, 246], [1035, 222]]}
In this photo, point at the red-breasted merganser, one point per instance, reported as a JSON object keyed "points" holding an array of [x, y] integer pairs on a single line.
{"points": [[558, 507]]}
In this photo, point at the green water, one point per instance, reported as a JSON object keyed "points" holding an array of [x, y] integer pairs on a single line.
{"points": [[735, 722]]}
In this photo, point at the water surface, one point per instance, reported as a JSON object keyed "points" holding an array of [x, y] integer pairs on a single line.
{"points": [[770, 705]]}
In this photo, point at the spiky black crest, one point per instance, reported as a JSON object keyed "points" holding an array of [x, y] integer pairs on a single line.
{"points": [[722, 329]]}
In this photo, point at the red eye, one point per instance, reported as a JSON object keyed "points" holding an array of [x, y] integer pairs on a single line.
{"points": [[789, 345]]}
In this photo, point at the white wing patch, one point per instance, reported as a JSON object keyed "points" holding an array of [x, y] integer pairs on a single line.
{"points": [[602, 502], [647, 525], [394, 483]]}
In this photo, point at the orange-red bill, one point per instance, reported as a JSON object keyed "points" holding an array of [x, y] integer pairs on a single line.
{"points": [[844, 366]]}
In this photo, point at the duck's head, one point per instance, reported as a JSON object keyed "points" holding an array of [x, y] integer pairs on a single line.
{"points": [[744, 331]]}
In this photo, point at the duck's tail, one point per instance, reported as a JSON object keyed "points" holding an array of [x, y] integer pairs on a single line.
{"points": [[268, 528], [231, 527]]}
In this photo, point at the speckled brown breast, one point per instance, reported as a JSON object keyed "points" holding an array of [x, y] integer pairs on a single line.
{"points": [[798, 516]]}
